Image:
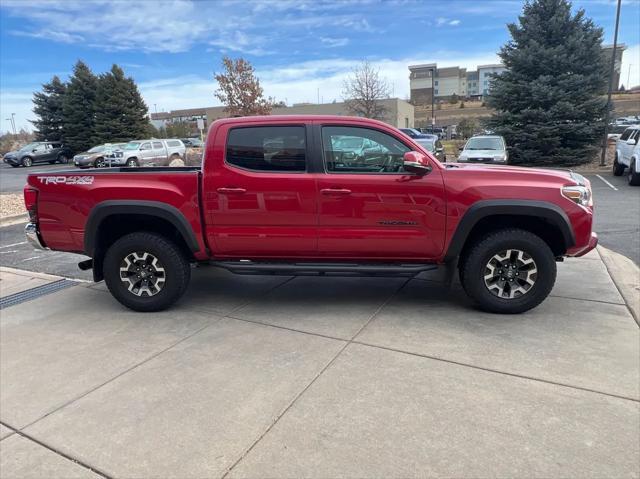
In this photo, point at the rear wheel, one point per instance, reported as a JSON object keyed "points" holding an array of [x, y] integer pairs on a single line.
{"points": [[634, 174], [146, 271], [509, 271], [618, 169], [27, 161], [63, 159]]}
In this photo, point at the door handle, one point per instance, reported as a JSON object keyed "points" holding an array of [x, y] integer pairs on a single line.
{"points": [[231, 191], [335, 191]]}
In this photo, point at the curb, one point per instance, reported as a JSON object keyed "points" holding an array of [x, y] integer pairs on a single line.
{"points": [[14, 219], [626, 276]]}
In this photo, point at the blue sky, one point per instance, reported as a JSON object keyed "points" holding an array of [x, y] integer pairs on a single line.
{"points": [[300, 48]]}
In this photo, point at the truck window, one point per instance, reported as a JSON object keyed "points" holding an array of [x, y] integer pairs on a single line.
{"points": [[627, 133], [361, 150], [267, 148], [174, 143], [157, 145]]}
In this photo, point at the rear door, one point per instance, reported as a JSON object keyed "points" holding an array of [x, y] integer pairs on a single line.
{"points": [[260, 198], [159, 153], [369, 207]]}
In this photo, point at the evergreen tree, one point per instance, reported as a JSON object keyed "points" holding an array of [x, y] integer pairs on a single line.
{"points": [[550, 102], [47, 105], [79, 107], [121, 113]]}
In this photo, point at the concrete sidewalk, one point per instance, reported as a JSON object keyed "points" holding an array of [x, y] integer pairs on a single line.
{"points": [[322, 377]]}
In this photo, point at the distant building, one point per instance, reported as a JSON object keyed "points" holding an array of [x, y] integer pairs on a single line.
{"points": [[607, 51], [189, 116], [400, 113], [485, 72]]}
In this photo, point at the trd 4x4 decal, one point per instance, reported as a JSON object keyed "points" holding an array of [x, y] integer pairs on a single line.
{"points": [[66, 180]]}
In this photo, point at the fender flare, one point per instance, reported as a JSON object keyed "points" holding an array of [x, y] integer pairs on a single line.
{"points": [[483, 209], [103, 210]]}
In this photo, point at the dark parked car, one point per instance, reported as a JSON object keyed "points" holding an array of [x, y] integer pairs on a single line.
{"points": [[192, 142], [38, 152], [95, 157], [433, 145]]}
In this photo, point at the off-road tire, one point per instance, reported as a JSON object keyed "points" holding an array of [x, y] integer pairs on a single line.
{"points": [[473, 267], [618, 169], [27, 162], [177, 270], [634, 174]]}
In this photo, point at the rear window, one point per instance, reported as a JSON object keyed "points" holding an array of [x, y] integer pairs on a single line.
{"points": [[626, 134], [174, 143], [267, 148]]}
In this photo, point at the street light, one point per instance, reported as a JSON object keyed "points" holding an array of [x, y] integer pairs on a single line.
{"points": [[433, 98], [611, 73]]}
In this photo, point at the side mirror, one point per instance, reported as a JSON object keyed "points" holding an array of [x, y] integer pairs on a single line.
{"points": [[416, 162], [34, 150], [460, 148], [631, 141]]}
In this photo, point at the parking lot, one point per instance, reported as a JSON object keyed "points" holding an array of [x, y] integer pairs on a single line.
{"points": [[320, 377]]}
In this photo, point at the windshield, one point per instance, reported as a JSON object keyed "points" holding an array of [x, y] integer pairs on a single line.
{"points": [[484, 143], [132, 145], [96, 149], [29, 146]]}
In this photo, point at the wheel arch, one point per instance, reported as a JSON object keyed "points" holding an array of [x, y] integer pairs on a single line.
{"points": [[110, 220], [542, 218]]}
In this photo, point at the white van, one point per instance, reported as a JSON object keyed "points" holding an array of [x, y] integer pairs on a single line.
{"points": [[154, 152]]}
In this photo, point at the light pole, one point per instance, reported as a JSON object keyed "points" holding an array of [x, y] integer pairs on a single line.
{"points": [[611, 74], [433, 98]]}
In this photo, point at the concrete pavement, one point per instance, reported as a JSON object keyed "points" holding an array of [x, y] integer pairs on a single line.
{"points": [[322, 377]]}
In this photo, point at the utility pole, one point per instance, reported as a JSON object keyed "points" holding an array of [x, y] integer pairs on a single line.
{"points": [[433, 98], [155, 107], [628, 76], [611, 74]]}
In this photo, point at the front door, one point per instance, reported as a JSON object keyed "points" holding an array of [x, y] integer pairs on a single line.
{"points": [[369, 207], [259, 197]]}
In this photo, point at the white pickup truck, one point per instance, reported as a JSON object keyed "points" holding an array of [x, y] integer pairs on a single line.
{"points": [[628, 155], [154, 152]]}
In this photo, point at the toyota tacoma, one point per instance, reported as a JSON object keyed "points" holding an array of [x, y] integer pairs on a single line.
{"points": [[286, 195]]}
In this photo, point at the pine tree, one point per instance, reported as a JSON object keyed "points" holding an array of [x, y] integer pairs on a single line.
{"points": [[550, 102], [121, 113], [47, 105], [79, 107]]}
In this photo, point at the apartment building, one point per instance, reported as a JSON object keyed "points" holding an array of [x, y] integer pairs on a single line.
{"points": [[485, 72]]}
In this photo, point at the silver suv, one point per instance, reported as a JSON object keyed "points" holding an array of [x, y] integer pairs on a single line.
{"points": [[484, 149], [153, 152]]}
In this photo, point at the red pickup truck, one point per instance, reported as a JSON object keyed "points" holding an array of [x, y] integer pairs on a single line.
{"points": [[321, 195]]}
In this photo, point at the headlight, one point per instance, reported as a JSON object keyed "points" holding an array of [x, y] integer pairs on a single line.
{"points": [[462, 158], [500, 158], [578, 194]]}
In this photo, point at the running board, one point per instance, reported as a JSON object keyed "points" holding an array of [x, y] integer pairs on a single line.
{"points": [[322, 269]]}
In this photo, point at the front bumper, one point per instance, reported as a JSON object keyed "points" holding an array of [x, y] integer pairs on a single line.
{"points": [[11, 160], [593, 242], [33, 236]]}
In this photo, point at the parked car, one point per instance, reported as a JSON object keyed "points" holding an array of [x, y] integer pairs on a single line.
{"points": [[154, 152], [98, 156], [38, 152], [615, 131], [627, 155], [192, 142], [434, 146], [484, 149], [434, 130], [295, 207], [413, 133]]}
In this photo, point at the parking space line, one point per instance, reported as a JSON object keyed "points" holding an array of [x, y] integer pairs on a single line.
{"points": [[607, 183], [13, 244]]}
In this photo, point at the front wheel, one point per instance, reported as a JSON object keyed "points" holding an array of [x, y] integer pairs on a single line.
{"points": [[634, 174], [509, 271], [131, 163], [63, 159], [100, 163], [618, 169], [146, 272], [27, 162]]}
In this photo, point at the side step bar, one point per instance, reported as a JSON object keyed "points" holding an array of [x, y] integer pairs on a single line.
{"points": [[322, 269]]}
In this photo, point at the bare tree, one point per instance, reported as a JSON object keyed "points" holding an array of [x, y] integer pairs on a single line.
{"points": [[239, 89], [364, 89]]}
